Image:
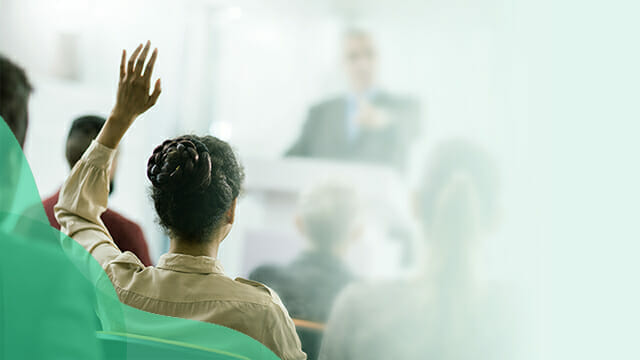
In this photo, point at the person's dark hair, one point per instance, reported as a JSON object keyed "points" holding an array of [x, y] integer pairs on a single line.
{"points": [[194, 183], [459, 188], [83, 130], [14, 97]]}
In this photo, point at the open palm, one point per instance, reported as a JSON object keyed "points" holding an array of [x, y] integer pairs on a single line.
{"points": [[133, 96]]}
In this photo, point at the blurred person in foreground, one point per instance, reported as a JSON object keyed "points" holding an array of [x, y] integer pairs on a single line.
{"points": [[448, 311], [367, 124], [46, 304], [328, 217], [195, 183], [127, 235]]}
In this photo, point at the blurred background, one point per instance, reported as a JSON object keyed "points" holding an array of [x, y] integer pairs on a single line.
{"points": [[249, 71]]}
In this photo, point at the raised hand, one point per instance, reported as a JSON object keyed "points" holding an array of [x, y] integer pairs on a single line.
{"points": [[133, 89], [133, 96]]}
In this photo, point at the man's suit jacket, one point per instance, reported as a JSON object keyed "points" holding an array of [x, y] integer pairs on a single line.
{"points": [[325, 132]]}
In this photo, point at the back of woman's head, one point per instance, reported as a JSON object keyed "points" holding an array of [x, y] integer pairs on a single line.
{"points": [[458, 196], [195, 181]]}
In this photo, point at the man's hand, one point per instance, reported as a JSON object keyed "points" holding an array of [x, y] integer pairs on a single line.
{"points": [[371, 117], [133, 96]]}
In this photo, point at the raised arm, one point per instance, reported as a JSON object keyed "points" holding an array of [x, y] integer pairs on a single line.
{"points": [[83, 197], [133, 96]]}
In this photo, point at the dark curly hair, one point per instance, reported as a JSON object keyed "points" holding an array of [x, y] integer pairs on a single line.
{"points": [[14, 97], [82, 131], [194, 183]]}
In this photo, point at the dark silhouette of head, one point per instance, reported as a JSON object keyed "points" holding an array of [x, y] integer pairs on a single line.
{"points": [[83, 130], [14, 98], [195, 182]]}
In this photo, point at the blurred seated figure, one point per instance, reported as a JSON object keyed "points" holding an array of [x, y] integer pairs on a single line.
{"points": [[328, 218], [367, 124], [195, 183], [448, 311], [46, 306], [127, 235]]}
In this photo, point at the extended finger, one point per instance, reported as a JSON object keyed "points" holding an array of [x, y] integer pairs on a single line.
{"points": [[133, 59], [149, 68], [142, 58], [123, 61]]}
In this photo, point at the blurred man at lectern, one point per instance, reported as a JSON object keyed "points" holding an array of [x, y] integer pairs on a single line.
{"points": [[367, 124]]}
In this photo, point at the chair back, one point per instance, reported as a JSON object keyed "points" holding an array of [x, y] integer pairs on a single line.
{"points": [[310, 334]]}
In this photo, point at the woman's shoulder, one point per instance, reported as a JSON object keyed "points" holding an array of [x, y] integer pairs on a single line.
{"points": [[257, 292]]}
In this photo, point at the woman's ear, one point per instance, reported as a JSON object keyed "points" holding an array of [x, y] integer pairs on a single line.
{"points": [[231, 213]]}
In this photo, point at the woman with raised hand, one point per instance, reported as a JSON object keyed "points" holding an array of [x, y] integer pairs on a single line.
{"points": [[195, 182]]}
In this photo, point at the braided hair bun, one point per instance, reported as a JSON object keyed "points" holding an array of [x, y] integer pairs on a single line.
{"points": [[194, 183], [182, 163]]}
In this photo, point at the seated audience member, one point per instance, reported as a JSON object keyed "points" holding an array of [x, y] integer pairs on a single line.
{"points": [[126, 234], [15, 90], [447, 312], [46, 306], [195, 182], [327, 216]]}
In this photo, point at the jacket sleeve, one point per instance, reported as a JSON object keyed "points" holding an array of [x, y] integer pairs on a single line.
{"points": [[83, 199], [301, 146]]}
